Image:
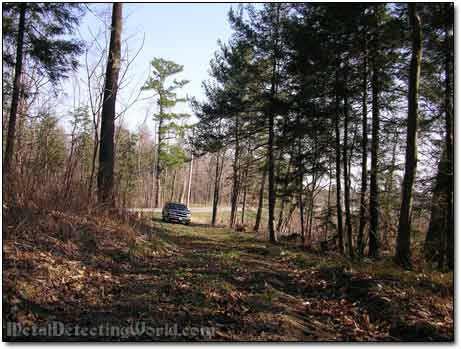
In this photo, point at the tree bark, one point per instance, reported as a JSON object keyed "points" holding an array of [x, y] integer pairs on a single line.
{"points": [[235, 175], [347, 204], [363, 186], [106, 149], [9, 147], [158, 168], [260, 202], [338, 172], [271, 199], [184, 186], [374, 198], [449, 145], [328, 213], [189, 184], [285, 199], [403, 239], [300, 196], [173, 184], [271, 117], [435, 238], [310, 214], [217, 184], [244, 199], [389, 191]]}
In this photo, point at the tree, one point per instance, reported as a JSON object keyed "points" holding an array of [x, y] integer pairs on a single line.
{"points": [[16, 90], [403, 239], [37, 38], [449, 132], [126, 157], [80, 144], [438, 18], [275, 22], [260, 200], [374, 200], [106, 150], [339, 210], [347, 180], [264, 31], [220, 157], [166, 120], [364, 170], [328, 59], [210, 137]]}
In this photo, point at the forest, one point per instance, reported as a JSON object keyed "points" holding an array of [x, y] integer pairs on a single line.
{"points": [[318, 168]]}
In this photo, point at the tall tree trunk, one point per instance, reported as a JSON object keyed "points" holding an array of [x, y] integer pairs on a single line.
{"points": [[285, 199], [23, 108], [106, 149], [217, 184], [389, 189], [327, 225], [183, 189], [338, 171], [374, 199], [310, 214], [173, 184], [311, 207], [245, 187], [449, 141], [260, 201], [189, 184], [9, 147], [271, 116], [363, 186], [300, 196], [281, 212], [435, 238], [403, 239], [235, 175], [301, 212], [271, 198], [158, 168], [349, 248]]}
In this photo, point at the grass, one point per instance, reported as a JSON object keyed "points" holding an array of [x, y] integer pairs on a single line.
{"points": [[222, 217]]}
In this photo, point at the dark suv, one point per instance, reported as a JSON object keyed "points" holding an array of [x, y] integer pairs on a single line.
{"points": [[176, 212]]}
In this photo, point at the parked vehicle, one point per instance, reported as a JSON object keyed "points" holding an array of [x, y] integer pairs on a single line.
{"points": [[176, 212]]}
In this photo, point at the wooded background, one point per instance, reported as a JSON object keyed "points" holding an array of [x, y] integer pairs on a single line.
{"points": [[333, 121]]}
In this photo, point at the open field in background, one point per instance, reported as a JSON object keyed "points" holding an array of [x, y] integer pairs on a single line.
{"points": [[222, 218]]}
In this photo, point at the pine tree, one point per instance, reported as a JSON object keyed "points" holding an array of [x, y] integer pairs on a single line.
{"points": [[16, 90], [38, 36], [167, 121], [403, 239]]}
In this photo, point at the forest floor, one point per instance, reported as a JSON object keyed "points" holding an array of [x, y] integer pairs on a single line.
{"points": [[86, 271]]}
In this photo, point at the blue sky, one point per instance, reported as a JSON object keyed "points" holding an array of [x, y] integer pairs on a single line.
{"points": [[184, 33]]}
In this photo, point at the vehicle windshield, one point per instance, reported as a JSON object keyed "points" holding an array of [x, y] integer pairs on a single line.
{"points": [[180, 207]]}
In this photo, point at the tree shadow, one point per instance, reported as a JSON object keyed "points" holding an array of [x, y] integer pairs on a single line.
{"points": [[240, 287]]}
